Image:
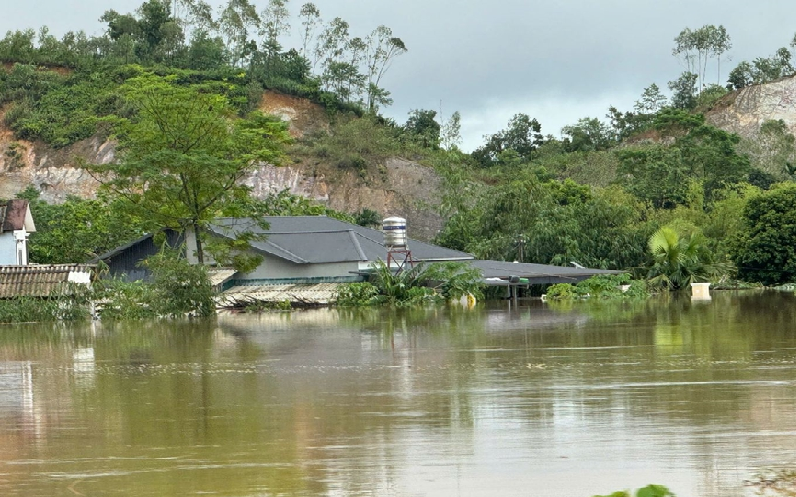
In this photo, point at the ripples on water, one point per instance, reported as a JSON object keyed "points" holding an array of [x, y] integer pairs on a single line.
{"points": [[542, 400]]}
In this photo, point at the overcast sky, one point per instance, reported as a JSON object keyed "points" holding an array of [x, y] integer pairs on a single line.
{"points": [[557, 61]]}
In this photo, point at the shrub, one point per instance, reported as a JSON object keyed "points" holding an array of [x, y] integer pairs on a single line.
{"points": [[357, 294], [608, 286], [179, 287], [561, 291], [69, 304]]}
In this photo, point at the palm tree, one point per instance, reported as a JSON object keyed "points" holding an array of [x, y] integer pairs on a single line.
{"points": [[678, 260]]}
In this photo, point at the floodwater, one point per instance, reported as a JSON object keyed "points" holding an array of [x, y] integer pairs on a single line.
{"points": [[543, 400]]}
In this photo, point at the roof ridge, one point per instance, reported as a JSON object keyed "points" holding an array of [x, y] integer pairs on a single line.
{"points": [[366, 237], [300, 259], [353, 236]]}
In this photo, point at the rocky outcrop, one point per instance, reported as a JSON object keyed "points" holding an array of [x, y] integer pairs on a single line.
{"points": [[51, 171], [743, 112], [400, 187]]}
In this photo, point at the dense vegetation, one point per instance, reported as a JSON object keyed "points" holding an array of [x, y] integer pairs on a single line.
{"points": [[656, 189]]}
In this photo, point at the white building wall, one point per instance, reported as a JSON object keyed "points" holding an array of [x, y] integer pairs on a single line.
{"points": [[8, 249], [276, 268]]}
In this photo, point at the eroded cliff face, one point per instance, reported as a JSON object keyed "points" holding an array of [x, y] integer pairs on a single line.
{"points": [[396, 187], [399, 188], [743, 112]]}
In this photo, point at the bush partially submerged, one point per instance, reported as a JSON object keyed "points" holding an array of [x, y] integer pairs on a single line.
{"points": [[69, 304], [423, 283], [177, 288], [610, 286]]}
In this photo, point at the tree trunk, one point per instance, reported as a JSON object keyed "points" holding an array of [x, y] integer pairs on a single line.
{"points": [[200, 255]]}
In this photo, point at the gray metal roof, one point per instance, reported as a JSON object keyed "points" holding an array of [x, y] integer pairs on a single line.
{"points": [[537, 273], [319, 239]]}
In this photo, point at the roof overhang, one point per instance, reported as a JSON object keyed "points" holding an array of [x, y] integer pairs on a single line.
{"points": [[502, 273]]}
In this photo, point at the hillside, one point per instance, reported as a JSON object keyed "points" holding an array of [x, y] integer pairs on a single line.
{"points": [[395, 187]]}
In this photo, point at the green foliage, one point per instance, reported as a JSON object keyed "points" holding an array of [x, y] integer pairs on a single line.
{"points": [[261, 306], [69, 305], [58, 110], [123, 300], [696, 46], [761, 70], [652, 100], [78, 229], [368, 218], [655, 174], [680, 257], [765, 251], [176, 289], [179, 288], [549, 222], [588, 134], [522, 136], [659, 173], [209, 43], [285, 203], [684, 91], [709, 96], [772, 150], [182, 155], [422, 129], [561, 291], [358, 294], [422, 283], [600, 287], [648, 491], [354, 144], [405, 287]]}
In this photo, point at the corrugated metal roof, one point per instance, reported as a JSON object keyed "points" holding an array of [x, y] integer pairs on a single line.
{"points": [[40, 280], [317, 293], [319, 239], [219, 276]]}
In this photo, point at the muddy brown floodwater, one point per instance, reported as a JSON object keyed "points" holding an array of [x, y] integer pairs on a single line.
{"points": [[543, 400]]}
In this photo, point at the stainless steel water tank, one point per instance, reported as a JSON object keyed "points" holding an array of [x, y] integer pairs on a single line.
{"points": [[394, 229]]}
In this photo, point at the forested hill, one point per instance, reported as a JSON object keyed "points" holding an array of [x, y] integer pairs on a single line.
{"points": [[685, 170]]}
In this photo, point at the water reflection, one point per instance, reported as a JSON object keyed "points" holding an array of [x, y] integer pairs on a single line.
{"points": [[552, 400]]}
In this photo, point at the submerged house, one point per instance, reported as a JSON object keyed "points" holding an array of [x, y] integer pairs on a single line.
{"points": [[318, 249], [305, 258]]}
